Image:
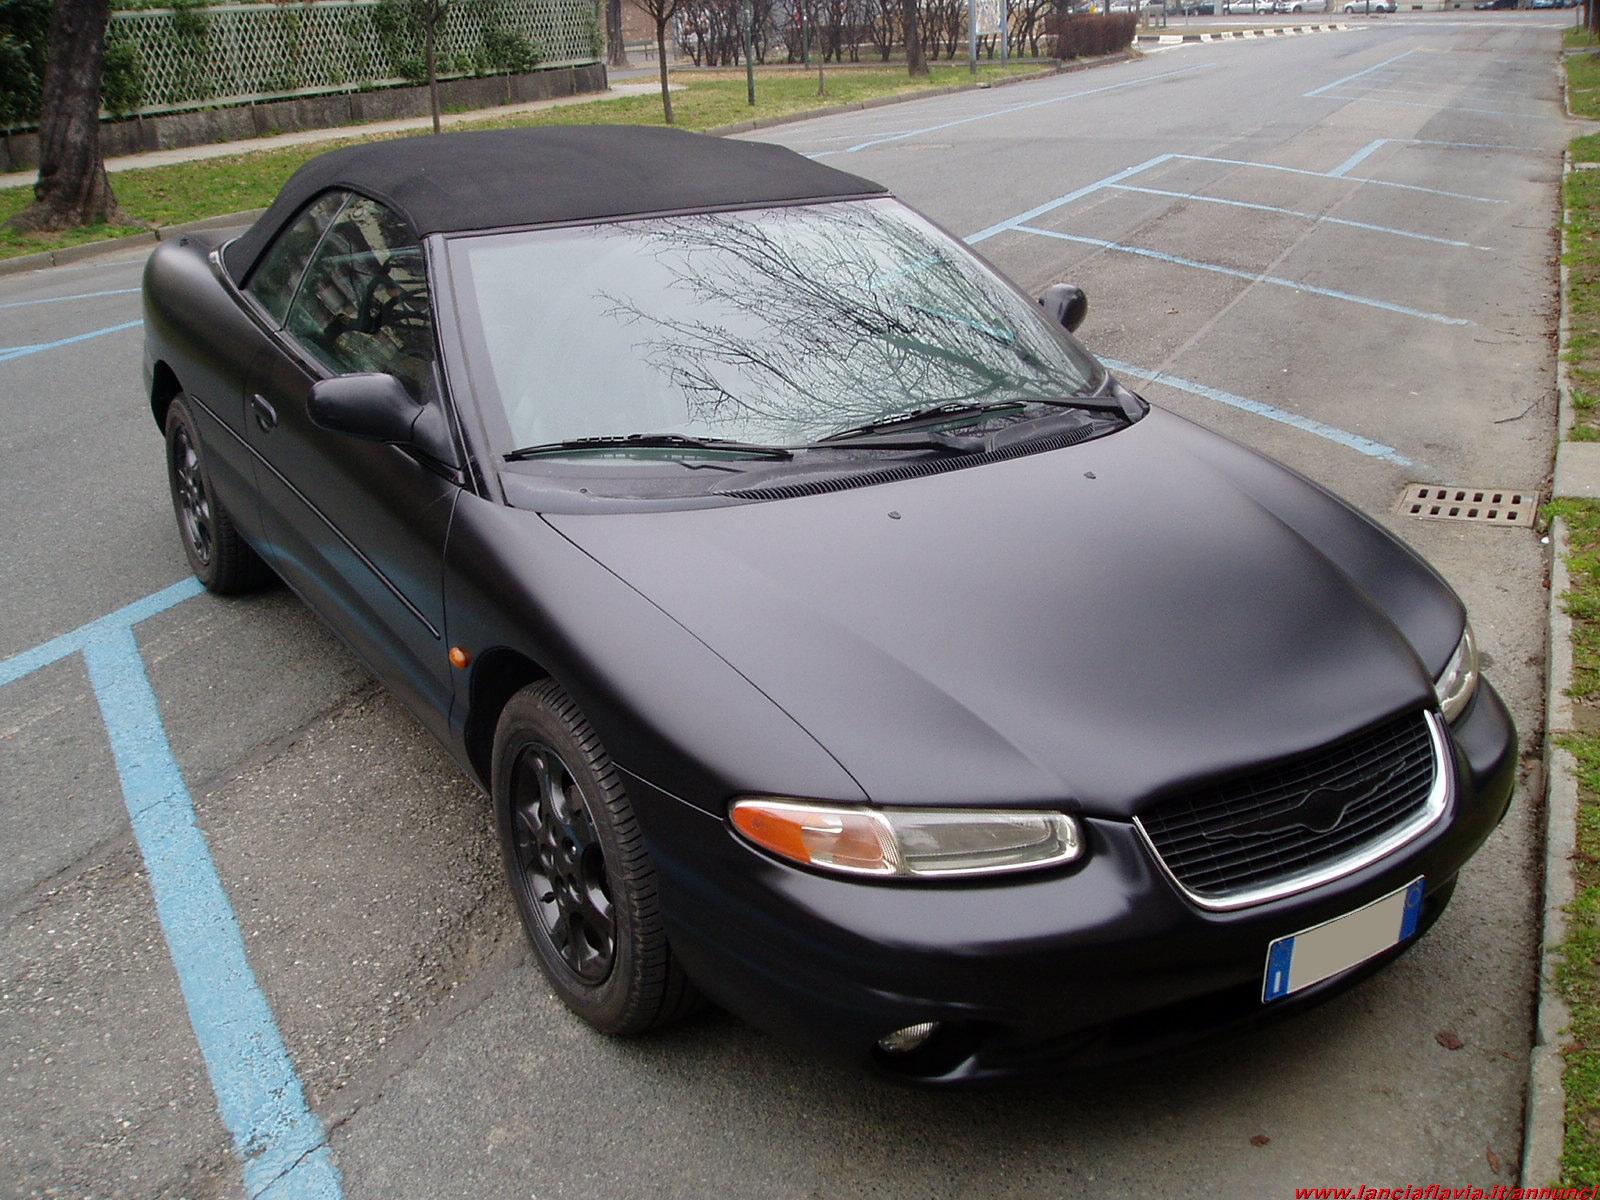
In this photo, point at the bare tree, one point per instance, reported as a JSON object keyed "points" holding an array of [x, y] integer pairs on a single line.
{"points": [[73, 188], [616, 47], [661, 12], [883, 29], [817, 319], [915, 63]]}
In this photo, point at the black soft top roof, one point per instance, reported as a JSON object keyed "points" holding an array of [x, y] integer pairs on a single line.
{"points": [[508, 177]]}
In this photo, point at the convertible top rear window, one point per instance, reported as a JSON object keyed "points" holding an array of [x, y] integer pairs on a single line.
{"points": [[776, 325]]}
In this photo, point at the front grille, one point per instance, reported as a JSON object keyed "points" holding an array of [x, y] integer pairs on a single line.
{"points": [[1241, 836]]}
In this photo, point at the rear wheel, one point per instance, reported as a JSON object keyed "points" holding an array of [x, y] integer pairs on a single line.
{"points": [[219, 557], [583, 882]]}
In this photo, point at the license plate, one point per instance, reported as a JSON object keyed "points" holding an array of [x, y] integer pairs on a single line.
{"points": [[1314, 954]]}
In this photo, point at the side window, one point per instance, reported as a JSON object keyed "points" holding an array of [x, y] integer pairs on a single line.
{"points": [[363, 305], [273, 281]]}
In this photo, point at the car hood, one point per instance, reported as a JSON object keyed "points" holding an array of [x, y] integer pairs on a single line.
{"points": [[1090, 627]]}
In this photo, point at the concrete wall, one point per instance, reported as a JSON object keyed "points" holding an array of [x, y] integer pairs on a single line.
{"points": [[20, 151]]}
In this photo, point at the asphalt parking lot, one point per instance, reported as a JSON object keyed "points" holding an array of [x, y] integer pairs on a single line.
{"points": [[1338, 248]]}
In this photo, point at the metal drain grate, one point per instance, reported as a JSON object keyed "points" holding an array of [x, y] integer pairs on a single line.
{"points": [[1482, 506]]}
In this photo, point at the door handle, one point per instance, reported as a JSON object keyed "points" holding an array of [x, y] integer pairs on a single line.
{"points": [[266, 415]]}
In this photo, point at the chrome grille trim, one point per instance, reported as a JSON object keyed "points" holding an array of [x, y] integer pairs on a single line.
{"points": [[1433, 808]]}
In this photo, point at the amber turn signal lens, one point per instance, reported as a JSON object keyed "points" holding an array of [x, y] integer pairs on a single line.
{"points": [[855, 841], [908, 843], [459, 658]]}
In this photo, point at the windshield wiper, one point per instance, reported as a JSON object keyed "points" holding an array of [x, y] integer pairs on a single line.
{"points": [[651, 441], [858, 434], [956, 408], [911, 439]]}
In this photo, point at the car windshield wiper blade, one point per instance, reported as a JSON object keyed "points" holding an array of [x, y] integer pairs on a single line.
{"points": [[960, 408], [912, 439], [856, 434], [651, 441]]}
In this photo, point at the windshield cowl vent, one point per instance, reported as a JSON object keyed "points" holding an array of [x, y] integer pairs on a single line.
{"points": [[909, 470]]}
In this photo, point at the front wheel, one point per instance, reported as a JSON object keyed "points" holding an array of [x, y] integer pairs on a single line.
{"points": [[583, 882]]}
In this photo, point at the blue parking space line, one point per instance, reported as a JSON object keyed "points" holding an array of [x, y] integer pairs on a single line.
{"points": [[1328, 87], [1502, 113], [1059, 201], [1251, 276], [1405, 187], [57, 648], [62, 299], [1510, 147], [22, 351], [1112, 180], [1354, 441], [1359, 157], [259, 1095], [281, 1144], [1320, 218], [1014, 108]]}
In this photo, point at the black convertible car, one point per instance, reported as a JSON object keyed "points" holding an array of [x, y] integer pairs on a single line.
{"points": [[835, 637]]}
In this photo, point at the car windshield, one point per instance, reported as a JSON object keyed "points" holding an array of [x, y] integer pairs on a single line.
{"points": [[771, 326]]}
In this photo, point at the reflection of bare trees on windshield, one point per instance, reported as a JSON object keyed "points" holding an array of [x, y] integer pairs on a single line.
{"points": [[796, 323]]}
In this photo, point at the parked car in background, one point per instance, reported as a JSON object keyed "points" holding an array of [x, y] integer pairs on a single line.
{"points": [[1247, 6], [831, 634], [1198, 8], [1294, 6], [1485, 5], [1369, 6]]}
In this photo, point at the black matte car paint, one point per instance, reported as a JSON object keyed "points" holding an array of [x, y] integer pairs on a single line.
{"points": [[1086, 629]]}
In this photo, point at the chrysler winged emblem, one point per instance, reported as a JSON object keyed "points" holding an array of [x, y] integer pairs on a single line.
{"points": [[1320, 812]]}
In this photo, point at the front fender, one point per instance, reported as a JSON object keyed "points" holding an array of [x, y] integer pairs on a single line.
{"points": [[667, 708]]}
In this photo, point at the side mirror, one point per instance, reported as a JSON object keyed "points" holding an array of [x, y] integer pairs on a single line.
{"points": [[377, 408], [1066, 303]]}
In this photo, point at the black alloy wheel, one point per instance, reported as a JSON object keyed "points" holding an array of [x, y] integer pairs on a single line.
{"points": [[560, 863], [217, 553], [194, 503], [575, 857]]}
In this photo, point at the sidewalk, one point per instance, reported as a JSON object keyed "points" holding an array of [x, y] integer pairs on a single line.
{"points": [[162, 158]]}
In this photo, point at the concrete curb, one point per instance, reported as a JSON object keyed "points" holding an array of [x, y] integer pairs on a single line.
{"points": [[1175, 39], [1545, 1118], [70, 254], [1545, 1115]]}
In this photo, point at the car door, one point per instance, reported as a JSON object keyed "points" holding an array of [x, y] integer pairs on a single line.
{"points": [[217, 383], [357, 527]]}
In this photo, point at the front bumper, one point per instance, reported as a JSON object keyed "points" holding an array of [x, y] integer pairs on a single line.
{"points": [[1098, 962]]}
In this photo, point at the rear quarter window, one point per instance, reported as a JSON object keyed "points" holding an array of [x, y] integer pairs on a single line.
{"points": [[277, 275]]}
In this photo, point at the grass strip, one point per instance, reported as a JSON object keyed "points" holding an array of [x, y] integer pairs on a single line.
{"points": [[1581, 197], [1579, 954], [190, 191]]}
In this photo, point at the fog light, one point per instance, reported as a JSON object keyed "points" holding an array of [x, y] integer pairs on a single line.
{"points": [[904, 1041]]}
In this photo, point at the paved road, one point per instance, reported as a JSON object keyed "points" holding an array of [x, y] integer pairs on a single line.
{"points": [[1338, 248]]}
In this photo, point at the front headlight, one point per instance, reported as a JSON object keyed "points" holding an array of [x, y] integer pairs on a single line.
{"points": [[907, 843], [1459, 680]]}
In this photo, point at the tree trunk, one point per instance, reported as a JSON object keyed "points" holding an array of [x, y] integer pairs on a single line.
{"points": [[661, 58], [431, 49], [915, 63], [822, 59], [616, 48], [73, 189]]}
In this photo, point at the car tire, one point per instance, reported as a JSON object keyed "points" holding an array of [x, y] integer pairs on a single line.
{"points": [[582, 879], [218, 555]]}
